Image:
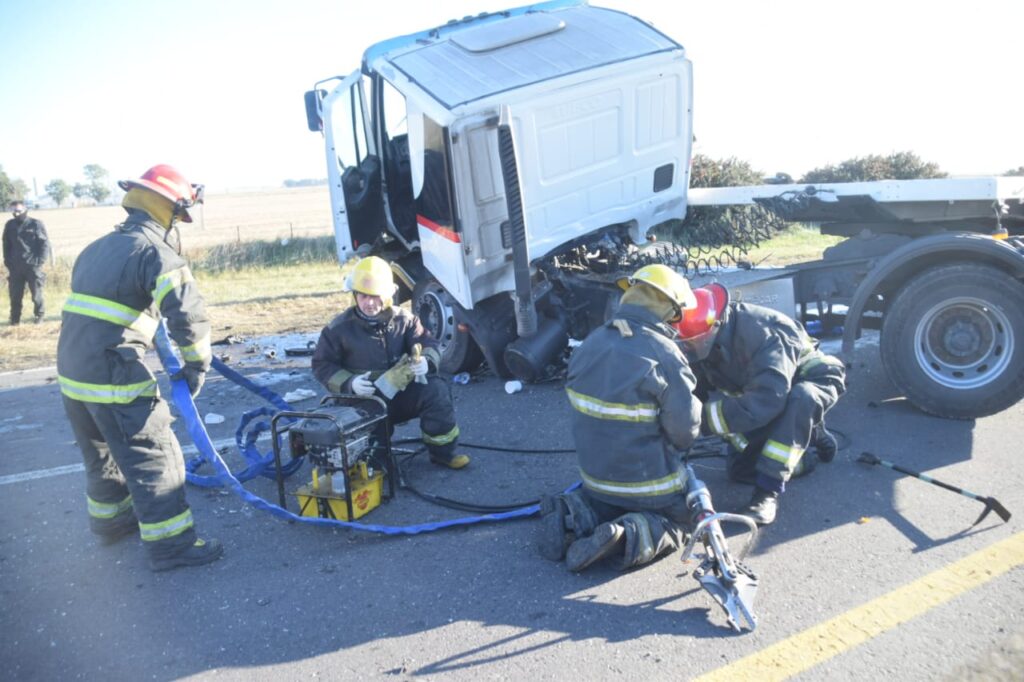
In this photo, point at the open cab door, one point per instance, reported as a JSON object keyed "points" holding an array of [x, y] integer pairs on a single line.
{"points": [[353, 164]]}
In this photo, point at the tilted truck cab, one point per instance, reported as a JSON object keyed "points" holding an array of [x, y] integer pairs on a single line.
{"points": [[476, 155], [510, 166]]}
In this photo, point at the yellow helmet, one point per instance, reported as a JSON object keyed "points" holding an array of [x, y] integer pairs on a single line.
{"points": [[372, 276], [667, 281]]}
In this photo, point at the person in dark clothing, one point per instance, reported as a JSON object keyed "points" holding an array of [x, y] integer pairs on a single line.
{"points": [[370, 349], [771, 388], [634, 413], [121, 285], [26, 250]]}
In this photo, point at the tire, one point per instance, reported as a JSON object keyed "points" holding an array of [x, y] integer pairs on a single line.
{"points": [[441, 317], [953, 341]]}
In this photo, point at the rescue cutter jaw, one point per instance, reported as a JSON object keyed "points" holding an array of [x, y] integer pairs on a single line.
{"points": [[736, 600]]}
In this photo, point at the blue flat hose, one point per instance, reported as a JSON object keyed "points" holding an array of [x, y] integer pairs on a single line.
{"points": [[224, 477]]}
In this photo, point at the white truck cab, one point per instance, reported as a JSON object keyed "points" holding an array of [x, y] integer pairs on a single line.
{"points": [[465, 153]]}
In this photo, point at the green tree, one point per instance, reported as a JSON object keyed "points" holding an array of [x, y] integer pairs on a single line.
{"points": [[95, 172], [1016, 172], [58, 190], [98, 191], [6, 190], [97, 187], [895, 166], [20, 188], [80, 190]]}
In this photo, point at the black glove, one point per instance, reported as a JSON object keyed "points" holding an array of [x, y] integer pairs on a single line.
{"points": [[192, 376]]}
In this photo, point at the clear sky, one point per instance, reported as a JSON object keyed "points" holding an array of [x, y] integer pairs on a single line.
{"points": [[215, 87]]}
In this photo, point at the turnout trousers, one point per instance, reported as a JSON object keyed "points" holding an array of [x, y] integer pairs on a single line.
{"points": [[432, 403], [775, 450], [133, 463]]}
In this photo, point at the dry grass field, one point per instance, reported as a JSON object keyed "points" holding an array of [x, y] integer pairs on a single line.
{"points": [[270, 214], [285, 296]]}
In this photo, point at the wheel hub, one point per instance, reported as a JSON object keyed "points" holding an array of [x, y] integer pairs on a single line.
{"points": [[963, 343], [438, 318]]}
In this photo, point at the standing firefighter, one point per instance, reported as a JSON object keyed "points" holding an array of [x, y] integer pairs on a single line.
{"points": [[26, 249], [121, 284], [371, 349], [772, 389], [633, 413]]}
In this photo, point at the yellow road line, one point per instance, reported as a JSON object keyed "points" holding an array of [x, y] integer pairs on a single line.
{"points": [[831, 638]]}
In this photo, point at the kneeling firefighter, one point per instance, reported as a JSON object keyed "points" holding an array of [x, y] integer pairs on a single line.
{"points": [[371, 348], [634, 411], [121, 285], [771, 389]]}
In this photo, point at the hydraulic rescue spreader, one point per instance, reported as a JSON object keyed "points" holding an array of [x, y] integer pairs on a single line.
{"points": [[347, 440]]}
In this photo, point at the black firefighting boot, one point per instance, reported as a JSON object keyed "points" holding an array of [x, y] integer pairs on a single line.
{"points": [[553, 534], [824, 443], [763, 506], [584, 552], [198, 553]]}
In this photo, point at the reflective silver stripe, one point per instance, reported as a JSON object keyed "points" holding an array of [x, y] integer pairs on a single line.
{"points": [[169, 281], [166, 529], [107, 510], [443, 439], [716, 417], [111, 311], [600, 409], [661, 486], [787, 456], [199, 351], [106, 393]]}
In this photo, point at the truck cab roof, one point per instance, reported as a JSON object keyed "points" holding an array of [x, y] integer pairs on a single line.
{"points": [[473, 58]]}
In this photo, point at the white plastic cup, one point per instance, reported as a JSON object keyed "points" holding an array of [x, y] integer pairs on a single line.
{"points": [[513, 387]]}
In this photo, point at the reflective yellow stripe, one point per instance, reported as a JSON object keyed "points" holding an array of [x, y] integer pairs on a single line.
{"points": [[199, 351], [169, 281], [786, 455], [738, 441], [716, 417], [338, 380], [600, 409], [166, 529], [111, 311], [106, 393], [660, 486], [105, 510], [443, 439]]}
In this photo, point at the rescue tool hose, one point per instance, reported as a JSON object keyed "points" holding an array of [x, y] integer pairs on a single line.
{"points": [[182, 399]]}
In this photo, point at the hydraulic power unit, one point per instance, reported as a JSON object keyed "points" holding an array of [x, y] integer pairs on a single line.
{"points": [[347, 441]]}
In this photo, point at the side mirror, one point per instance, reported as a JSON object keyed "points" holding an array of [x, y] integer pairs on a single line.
{"points": [[313, 119]]}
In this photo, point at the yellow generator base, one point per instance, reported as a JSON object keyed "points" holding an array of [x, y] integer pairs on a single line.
{"points": [[366, 496]]}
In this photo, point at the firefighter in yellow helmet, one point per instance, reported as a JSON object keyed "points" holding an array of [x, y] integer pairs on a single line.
{"points": [[634, 413], [770, 389], [121, 284], [368, 350]]}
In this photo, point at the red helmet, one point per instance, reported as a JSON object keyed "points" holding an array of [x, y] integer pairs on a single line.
{"points": [[170, 184], [698, 326]]}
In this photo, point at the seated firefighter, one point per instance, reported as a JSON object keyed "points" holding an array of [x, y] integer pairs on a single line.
{"points": [[771, 389], [374, 348], [634, 411]]}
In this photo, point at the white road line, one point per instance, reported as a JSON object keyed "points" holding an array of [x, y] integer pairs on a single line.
{"points": [[76, 468]]}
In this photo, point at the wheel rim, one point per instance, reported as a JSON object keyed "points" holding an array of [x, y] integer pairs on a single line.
{"points": [[438, 317], [963, 343]]}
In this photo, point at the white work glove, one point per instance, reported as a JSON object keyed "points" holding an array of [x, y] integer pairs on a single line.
{"points": [[419, 367], [361, 384]]}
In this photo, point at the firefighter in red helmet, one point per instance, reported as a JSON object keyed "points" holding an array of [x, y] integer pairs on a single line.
{"points": [[121, 285], [770, 389]]}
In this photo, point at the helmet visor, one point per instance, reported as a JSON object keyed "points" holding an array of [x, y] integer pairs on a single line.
{"points": [[699, 347]]}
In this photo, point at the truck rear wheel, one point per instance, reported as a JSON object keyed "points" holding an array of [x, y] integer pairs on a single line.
{"points": [[953, 340], [439, 314]]}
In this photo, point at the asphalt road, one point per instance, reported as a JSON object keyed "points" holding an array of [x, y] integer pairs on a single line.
{"points": [[866, 572]]}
